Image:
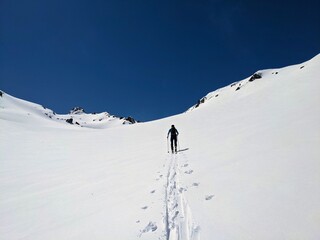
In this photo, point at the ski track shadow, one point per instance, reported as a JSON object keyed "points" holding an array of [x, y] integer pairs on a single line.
{"points": [[182, 150]]}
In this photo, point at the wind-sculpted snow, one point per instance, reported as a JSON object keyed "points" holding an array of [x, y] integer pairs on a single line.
{"points": [[248, 168]]}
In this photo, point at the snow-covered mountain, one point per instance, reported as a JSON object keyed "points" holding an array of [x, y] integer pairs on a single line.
{"points": [[248, 168], [261, 75], [23, 111]]}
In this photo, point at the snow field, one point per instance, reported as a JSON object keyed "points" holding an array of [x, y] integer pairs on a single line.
{"points": [[248, 169]]}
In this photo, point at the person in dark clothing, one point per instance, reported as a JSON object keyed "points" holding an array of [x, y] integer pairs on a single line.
{"points": [[173, 137]]}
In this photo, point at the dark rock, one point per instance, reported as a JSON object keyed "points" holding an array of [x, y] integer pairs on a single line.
{"points": [[77, 110], [238, 88], [1, 93], [200, 101], [77, 123], [301, 67], [131, 120], [70, 120], [48, 115], [255, 76], [217, 95]]}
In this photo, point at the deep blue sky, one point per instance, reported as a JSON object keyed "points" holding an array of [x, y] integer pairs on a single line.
{"points": [[148, 59]]}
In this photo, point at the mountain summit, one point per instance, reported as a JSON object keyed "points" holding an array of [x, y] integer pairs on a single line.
{"points": [[77, 110]]}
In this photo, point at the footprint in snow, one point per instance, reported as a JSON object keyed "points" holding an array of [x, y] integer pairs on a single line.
{"points": [[144, 208], [185, 165], [195, 184], [153, 191], [209, 197], [181, 190], [151, 227], [189, 172]]}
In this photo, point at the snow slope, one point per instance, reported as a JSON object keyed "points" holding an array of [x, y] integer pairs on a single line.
{"points": [[249, 168], [15, 109]]}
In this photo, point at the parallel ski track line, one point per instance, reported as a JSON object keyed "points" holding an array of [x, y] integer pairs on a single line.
{"points": [[179, 224]]}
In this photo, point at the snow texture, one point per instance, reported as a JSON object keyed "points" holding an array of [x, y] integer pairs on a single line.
{"points": [[248, 167]]}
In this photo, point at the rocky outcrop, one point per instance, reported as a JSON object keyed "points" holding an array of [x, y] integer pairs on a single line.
{"points": [[255, 76], [131, 120], [70, 120], [77, 110], [200, 101]]}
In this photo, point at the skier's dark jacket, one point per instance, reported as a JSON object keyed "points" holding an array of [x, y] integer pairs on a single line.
{"points": [[173, 132]]}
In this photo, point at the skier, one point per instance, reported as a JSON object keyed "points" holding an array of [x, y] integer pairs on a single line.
{"points": [[174, 135]]}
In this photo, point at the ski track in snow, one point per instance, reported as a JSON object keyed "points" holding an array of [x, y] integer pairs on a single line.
{"points": [[179, 223]]}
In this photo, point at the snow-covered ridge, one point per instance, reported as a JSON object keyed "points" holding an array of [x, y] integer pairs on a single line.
{"points": [[261, 75], [18, 110]]}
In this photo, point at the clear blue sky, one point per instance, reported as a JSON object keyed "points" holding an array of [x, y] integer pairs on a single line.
{"points": [[147, 59]]}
